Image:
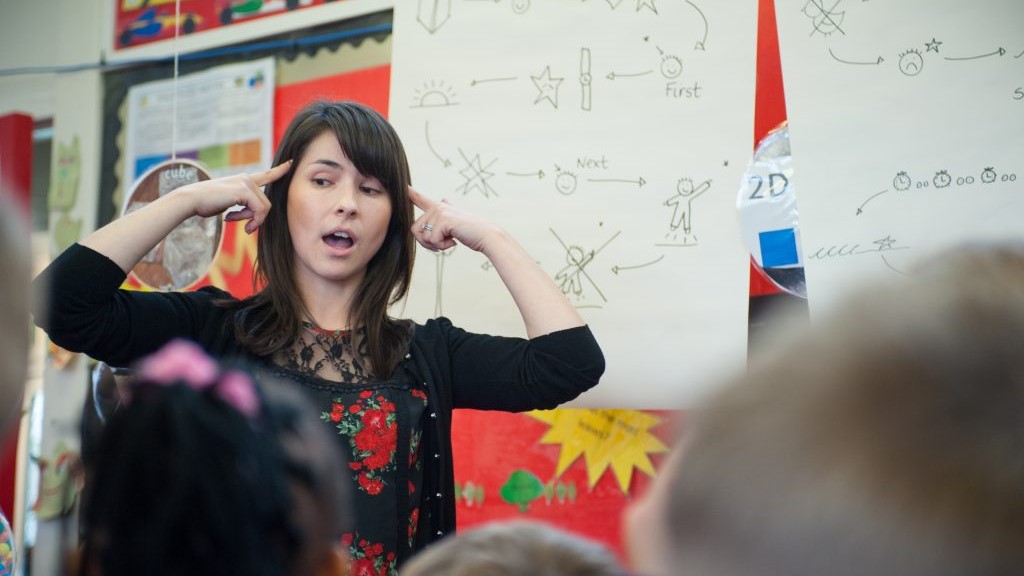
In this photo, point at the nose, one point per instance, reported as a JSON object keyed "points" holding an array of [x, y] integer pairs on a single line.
{"points": [[346, 195]]}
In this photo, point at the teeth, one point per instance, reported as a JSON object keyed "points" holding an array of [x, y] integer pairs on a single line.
{"points": [[340, 235]]}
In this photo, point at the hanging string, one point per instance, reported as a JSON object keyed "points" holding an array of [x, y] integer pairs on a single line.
{"points": [[174, 83]]}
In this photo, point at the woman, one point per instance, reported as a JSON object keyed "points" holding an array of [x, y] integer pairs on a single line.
{"points": [[335, 249]]}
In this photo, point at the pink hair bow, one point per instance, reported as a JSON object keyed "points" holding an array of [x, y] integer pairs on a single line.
{"points": [[184, 361]]}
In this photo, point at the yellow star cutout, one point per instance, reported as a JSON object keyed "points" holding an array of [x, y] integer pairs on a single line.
{"points": [[619, 439]]}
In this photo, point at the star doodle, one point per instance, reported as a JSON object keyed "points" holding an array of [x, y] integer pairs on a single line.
{"points": [[932, 46], [646, 4], [547, 87], [885, 243]]}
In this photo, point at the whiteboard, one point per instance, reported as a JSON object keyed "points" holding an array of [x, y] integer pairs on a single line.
{"points": [[609, 137], [906, 123]]}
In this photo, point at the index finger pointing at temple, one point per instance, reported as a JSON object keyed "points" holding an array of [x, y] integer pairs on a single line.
{"points": [[421, 201], [268, 176]]}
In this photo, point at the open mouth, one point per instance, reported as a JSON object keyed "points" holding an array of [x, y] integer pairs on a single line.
{"points": [[339, 240]]}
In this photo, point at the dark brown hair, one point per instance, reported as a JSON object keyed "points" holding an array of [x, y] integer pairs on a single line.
{"points": [[270, 320], [183, 482]]}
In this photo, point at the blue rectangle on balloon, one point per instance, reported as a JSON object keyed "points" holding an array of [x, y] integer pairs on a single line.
{"points": [[778, 248]]}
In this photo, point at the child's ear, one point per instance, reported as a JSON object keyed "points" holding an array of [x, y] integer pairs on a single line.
{"points": [[336, 563]]}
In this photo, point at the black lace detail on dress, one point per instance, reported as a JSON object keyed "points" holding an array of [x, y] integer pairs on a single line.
{"points": [[328, 354]]}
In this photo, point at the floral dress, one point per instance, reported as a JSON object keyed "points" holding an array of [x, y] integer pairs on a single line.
{"points": [[380, 427]]}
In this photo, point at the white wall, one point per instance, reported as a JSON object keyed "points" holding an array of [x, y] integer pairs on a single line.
{"points": [[29, 33]]}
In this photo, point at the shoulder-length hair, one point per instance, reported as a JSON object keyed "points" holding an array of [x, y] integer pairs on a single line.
{"points": [[271, 319]]}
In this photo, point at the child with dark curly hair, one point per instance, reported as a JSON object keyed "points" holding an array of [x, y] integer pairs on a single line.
{"points": [[202, 471]]}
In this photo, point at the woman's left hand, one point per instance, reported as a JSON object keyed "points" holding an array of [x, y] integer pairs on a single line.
{"points": [[442, 226], [542, 304]]}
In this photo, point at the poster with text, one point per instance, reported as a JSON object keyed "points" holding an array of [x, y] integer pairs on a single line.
{"points": [[220, 117]]}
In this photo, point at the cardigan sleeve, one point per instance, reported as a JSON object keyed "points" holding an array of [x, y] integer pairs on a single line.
{"points": [[516, 374], [85, 311]]}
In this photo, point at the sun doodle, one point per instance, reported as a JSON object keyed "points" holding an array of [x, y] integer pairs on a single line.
{"points": [[434, 94], [616, 439]]}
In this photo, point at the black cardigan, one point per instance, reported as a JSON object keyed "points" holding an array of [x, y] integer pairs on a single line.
{"points": [[88, 312]]}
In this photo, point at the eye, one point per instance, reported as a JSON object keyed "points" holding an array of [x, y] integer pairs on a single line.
{"points": [[369, 189], [322, 182]]}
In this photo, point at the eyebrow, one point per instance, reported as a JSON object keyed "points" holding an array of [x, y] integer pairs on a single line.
{"points": [[327, 162]]}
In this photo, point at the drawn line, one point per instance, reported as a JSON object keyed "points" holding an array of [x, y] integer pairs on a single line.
{"points": [[444, 160], [614, 75], [826, 16], [856, 252], [616, 269], [891, 267], [539, 174], [614, 236], [861, 209], [638, 182], [559, 238], [879, 61], [999, 52], [700, 45], [474, 82]]}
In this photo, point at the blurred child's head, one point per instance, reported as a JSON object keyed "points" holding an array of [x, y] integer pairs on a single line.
{"points": [[886, 439], [514, 548], [203, 471]]}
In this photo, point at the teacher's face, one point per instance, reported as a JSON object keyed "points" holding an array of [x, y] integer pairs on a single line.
{"points": [[337, 217]]}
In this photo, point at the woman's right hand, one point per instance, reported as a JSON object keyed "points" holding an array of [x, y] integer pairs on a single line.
{"points": [[212, 197], [128, 238]]}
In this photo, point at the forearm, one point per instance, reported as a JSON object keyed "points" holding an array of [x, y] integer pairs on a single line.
{"points": [[127, 239], [541, 303]]}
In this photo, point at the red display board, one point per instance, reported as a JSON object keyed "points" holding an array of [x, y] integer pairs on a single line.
{"points": [[15, 182]]}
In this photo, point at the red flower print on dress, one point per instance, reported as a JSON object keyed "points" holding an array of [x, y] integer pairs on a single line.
{"points": [[414, 523], [371, 425], [371, 485], [369, 559], [337, 411]]}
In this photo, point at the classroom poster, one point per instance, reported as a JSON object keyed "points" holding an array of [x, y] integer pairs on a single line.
{"points": [[905, 125], [212, 123], [609, 137], [220, 117], [139, 22]]}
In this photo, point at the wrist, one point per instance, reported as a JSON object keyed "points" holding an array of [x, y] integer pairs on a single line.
{"points": [[495, 240], [182, 201]]}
